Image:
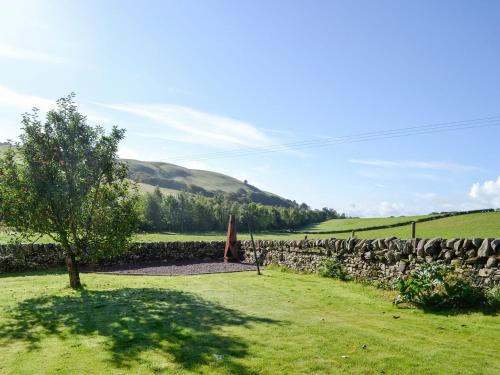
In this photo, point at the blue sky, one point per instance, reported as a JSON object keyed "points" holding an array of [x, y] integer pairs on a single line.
{"points": [[193, 77]]}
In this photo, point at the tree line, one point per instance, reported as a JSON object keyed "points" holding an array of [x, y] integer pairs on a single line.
{"points": [[186, 212]]}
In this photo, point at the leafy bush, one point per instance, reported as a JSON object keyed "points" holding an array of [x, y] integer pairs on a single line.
{"points": [[435, 285], [493, 297], [331, 267]]}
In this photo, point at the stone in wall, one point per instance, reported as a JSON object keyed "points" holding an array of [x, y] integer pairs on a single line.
{"points": [[384, 260], [28, 257], [380, 260]]}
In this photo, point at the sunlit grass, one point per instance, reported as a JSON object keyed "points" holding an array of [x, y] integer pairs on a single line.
{"points": [[231, 323]]}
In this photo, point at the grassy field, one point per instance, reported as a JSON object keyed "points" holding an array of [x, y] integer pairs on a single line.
{"points": [[240, 323], [349, 224], [474, 225], [480, 225]]}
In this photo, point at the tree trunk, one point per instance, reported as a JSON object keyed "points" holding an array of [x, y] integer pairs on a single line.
{"points": [[74, 273]]}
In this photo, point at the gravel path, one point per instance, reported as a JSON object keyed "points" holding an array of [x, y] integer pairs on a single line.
{"points": [[174, 268]]}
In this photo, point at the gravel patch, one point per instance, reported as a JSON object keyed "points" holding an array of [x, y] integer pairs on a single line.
{"points": [[174, 268]]}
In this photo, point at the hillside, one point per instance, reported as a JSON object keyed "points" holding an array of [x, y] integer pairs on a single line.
{"points": [[173, 178]]}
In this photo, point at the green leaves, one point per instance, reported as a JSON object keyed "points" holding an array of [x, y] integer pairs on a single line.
{"points": [[65, 181], [332, 267], [435, 285]]}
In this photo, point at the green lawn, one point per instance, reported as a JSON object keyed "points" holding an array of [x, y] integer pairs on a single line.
{"points": [[240, 323]]}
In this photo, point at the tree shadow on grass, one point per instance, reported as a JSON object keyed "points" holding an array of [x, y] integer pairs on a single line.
{"points": [[51, 271], [133, 321], [452, 311]]}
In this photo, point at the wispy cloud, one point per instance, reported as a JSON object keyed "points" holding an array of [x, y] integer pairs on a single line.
{"points": [[189, 125], [11, 98], [24, 102], [13, 52], [428, 196], [379, 209], [414, 164]]}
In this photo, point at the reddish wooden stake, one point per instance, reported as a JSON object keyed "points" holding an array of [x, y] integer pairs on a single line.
{"points": [[231, 251]]}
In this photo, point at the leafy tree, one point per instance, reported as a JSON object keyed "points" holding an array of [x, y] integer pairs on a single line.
{"points": [[64, 181], [187, 212], [153, 211]]}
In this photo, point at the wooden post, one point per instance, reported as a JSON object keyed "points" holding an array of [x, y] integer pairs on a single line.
{"points": [[413, 230], [231, 251], [353, 233], [255, 253]]}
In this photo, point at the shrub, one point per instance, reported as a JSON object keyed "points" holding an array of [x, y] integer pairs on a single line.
{"points": [[493, 297], [331, 267], [435, 285]]}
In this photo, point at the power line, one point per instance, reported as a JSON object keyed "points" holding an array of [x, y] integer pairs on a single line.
{"points": [[328, 139], [338, 140], [354, 138]]}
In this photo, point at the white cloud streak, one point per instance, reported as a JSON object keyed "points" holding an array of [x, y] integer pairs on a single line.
{"points": [[380, 209], [414, 164], [192, 126], [10, 98], [8, 51], [24, 103], [487, 193]]}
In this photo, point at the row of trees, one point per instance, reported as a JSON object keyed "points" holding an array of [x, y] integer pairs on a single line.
{"points": [[187, 212]]}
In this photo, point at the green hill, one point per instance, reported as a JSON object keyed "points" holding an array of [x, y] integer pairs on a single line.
{"points": [[172, 179]]}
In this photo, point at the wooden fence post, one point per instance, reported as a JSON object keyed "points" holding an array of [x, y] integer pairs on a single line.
{"points": [[254, 252], [413, 230]]}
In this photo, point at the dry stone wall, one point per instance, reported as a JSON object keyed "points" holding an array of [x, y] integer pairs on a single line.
{"points": [[383, 260], [17, 258], [380, 260]]}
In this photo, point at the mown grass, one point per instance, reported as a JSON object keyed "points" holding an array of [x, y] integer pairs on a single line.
{"points": [[231, 324]]}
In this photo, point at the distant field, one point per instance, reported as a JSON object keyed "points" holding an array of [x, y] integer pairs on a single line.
{"points": [[474, 225], [349, 224], [159, 237]]}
